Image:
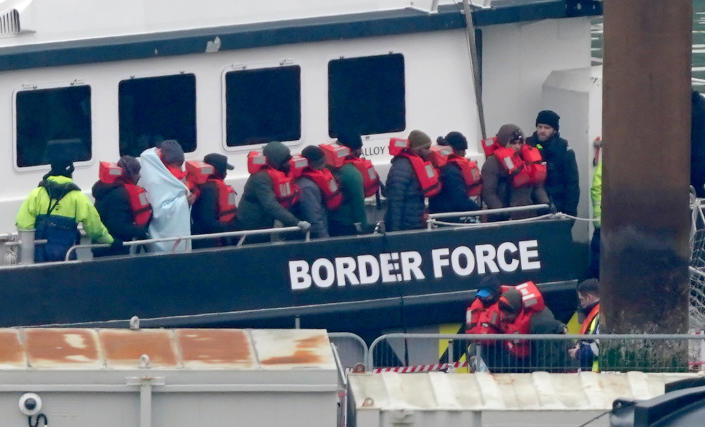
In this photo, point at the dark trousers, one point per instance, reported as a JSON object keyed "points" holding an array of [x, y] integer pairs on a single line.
{"points": [[594, 266]]}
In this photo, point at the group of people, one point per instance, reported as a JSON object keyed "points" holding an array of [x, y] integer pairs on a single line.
{"points": [[322, 190], [521, 309]]}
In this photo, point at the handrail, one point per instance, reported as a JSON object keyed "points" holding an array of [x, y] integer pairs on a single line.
{"points": [[242, 233], [489, 211]]}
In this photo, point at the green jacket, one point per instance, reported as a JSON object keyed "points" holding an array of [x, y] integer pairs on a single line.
{"points": [[259, 206], [596, 194], [352, 209], [74, 205]]}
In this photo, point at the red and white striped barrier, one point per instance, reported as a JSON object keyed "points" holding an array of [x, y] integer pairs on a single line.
{"points": [[422, 368]]}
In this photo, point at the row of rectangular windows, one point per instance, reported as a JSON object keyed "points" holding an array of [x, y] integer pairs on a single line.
{"points": [[365, 94]]}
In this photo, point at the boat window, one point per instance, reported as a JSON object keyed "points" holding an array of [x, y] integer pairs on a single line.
{"points": [[153, 109], [366, 94], [263, 105], [47, 114]]}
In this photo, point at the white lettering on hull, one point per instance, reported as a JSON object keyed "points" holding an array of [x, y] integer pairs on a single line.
{"points": [[400, 267]]}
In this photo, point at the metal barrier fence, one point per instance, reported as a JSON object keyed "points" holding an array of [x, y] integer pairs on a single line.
{"points": [[352, 349], [528, 353]]}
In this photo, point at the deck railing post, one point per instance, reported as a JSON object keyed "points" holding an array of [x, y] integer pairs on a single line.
{"points": [[26, 238]]}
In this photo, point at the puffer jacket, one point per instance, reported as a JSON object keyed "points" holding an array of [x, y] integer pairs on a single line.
{"points": [[453, 196], [405, 199], [259, 207], [113, 204]]}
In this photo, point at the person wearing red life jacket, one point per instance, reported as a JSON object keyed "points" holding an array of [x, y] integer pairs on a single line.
{"points": [[505, 180], [357, 178], [319, 192], [523, 311], [261, 202], [460, 179], [172, 155], [215, 209], [123, 206], [404, 190]]}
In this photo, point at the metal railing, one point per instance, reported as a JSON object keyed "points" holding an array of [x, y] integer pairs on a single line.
{"points": [[178, 239], [351, 348], [504, 353], [434, 219]]}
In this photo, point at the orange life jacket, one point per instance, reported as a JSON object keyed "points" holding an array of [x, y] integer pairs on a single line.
{"points": [[141, 209], [425, 173], [109, 172], [512, 163], [588, 320], [534, 164], [482, 320], [489, 145], [285, 190], [330, 189], [198, 172], [297, 164], [255, 161], [227, 208], [370, 178], [440, 155], [336, 154], [470, 172], [532, 302]]}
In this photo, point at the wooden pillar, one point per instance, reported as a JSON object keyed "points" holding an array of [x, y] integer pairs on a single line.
{"points": [[646, 164]]}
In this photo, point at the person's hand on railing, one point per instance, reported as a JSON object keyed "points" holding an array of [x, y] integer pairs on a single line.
{"points": [[304, 226]]}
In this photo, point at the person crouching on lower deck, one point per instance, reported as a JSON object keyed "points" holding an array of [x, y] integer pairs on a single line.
{"points": [[56, 206], [215, 209], [123, 206], [269, 194]]}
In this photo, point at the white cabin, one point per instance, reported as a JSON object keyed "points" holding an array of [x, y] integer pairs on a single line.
{"points": [[225, 76]]}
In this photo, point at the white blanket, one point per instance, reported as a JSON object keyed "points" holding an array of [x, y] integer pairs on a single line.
{"points": [[171, 213]]}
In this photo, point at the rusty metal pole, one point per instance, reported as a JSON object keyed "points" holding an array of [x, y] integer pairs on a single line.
{"points": [[646, 164]]}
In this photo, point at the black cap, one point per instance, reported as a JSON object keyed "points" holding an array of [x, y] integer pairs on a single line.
{"points": [[219, 162], [456, 140], [548, 117], [313, 153]]}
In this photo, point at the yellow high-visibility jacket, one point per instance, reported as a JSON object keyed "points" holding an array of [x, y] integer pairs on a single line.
{"points": [[74, 205]]}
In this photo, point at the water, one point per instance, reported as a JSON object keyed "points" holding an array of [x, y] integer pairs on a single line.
{"points": [[698, 70]]}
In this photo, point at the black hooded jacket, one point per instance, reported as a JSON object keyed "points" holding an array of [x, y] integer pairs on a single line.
{"points": [[561, 183], [697, 144], [113, 204]]}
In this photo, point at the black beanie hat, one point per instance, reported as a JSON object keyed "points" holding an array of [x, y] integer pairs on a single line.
{"points": [[455, 139], [548, 117], [313, 154]]}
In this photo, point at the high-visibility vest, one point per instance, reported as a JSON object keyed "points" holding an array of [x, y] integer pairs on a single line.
{"points": [[330, 189], [470, 173], [534, 164], [227, 208], [141, 209], [370, 177], [426, 174], [588, 327], [512, 163], [285, 190]]}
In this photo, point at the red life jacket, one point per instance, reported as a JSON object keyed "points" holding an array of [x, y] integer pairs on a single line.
{"points": [[255, 161], [512, 163], [483, 320], [489, 145], [440, 155], [534, 164], [297, 164], [532, 302], [285, 190], [425, 173], [330, 189], [109, 172], [141, 209], [198, 172], [227, 208], [336, 154], [370, 178], [470, 172]]}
